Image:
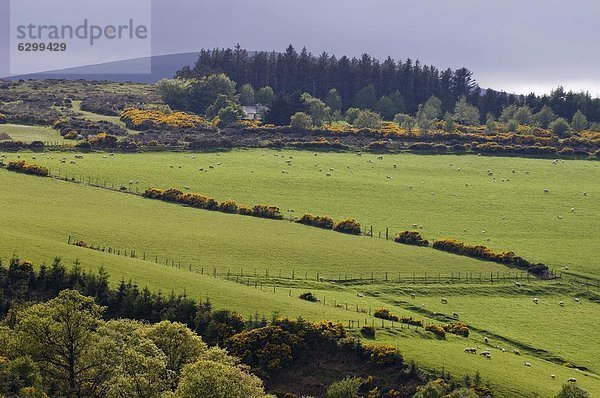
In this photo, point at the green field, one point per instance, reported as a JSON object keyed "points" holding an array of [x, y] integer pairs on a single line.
{"points": [[28, 134], [450, 196], [39, 214]]}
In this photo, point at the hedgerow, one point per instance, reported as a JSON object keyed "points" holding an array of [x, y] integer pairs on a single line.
{"points": [[21, 166], [348, 226], [485, 253], [324, 222], [384, 313], [411, 238], [267, 211]]}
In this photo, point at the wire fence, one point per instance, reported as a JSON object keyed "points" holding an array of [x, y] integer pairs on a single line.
{"points": [[256, 276]]}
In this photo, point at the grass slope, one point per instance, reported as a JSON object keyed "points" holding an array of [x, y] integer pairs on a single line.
{"points": [[451, 196], [42, 212]]}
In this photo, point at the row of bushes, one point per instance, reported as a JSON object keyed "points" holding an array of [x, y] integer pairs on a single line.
{"points": [[347, 226], [458, 328], [384, 313], [485, 253], [411, 238], [145, 119], [21, 166], [203, 202]]}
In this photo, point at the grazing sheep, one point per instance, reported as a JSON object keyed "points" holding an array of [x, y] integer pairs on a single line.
{"points": [[484, 353], [130, 182], [413, 295], [546, 190], [572, 380], [518, 284], [315, 154], [526, 173], [33, 158], [72, 162], [560, 217], [572, 209], [104, 157], [471, 350], [455, 315], [553, 377], [389, 177], [211, 166], [444, 301], [504, 350], [576, 299], [186, 188], [179, 166], [379, 157], [328, 175], [360, 295], [535, 300], [111, 154], [331, 169], [517, 352], [201, 169], [561, 303], [486, 340], [527, 364], [585, 194], [395, 165], [171, 166]]}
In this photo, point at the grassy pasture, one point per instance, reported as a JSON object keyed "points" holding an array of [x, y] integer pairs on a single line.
{"points": [[449, 195], [26, 133], [40, 213]]}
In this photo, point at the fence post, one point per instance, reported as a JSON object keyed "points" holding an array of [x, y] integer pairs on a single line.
{"points": [[387, 233]]}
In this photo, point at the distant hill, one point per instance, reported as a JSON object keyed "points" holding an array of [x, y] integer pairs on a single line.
{"points": [[163, 66]]}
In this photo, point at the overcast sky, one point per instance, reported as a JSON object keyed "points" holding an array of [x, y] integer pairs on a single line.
{"points": [[512, 45]]}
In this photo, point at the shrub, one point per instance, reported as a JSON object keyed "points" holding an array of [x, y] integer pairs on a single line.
{"points": [[324, 222], [560, 127], [145, 119], [571, 390], [300, 121], [80, 243], [457, 328], [484, 253], [348, 226], [409, 320], [411, 238], [384, 313], [437, 330], [347, 388], [368, 331], [266, 211], [71, 135], [21, 166], [229, 206], [103, 140], [383, 355], [3, 119], [244, 210], [308, 296]]}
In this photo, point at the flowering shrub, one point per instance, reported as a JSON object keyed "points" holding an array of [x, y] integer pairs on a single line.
{"points": [[411, 238], [145, 119], [348, 226], [383, 355], [457, 328], [368, 331], [266, 211], [244, 210], [409, 320], [102, 140], [384, 313], [324, 222], [229, 206], [21, 166], [437, 330], [484, 253]]}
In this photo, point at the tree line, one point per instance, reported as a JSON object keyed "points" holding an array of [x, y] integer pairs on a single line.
{"points": [[369, 83]]}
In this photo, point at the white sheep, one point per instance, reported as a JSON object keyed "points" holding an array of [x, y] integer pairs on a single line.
{"points": [[546, 190], [535, 300], [572, 380], [413, 295], [516, 352], [527, 364], [455, 315], [486, 340], [553, 377], [585, 194], [561, 303], [444, 301], [328, 175]]}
